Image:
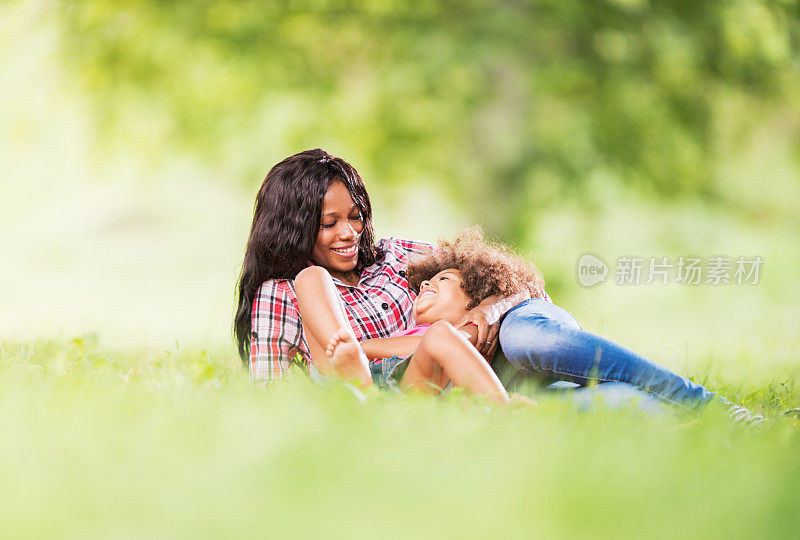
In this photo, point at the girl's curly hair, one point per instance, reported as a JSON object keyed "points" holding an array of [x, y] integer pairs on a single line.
{"points": [[488, 269]]}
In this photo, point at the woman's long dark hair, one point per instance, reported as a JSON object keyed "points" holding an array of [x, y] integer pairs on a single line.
{"points": [[286, 221]]}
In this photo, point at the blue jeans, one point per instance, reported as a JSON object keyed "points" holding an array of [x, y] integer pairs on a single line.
{"points": [[543, 339]]}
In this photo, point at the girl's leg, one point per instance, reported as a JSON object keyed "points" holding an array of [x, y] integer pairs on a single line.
{"points": [[323, 315], [444, 354], [542, 338]]}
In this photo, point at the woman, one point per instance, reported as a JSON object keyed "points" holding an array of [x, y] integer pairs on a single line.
{"points": [[313, 209]]}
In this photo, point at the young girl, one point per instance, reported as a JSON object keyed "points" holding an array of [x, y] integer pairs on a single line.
{"points": [[450, 280]]}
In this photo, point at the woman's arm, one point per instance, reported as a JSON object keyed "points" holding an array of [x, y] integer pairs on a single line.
{"points": [[275, 333], [486, 317], [495, 307]]}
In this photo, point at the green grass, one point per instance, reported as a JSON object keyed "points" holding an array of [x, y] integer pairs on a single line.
{"points": [[176, 443]]}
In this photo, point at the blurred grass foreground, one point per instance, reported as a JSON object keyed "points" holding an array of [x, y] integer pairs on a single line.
{"points": [[133, 137], [177, 444]]}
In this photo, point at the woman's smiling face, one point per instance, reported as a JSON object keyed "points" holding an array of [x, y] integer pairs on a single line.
{"points": [[336, 247], [441, 298]]}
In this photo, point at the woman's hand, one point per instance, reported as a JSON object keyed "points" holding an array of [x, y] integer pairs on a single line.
{"points": [[488, 330]]}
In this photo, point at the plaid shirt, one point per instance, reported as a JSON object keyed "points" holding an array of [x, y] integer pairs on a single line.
{"points": [[377, 307]]}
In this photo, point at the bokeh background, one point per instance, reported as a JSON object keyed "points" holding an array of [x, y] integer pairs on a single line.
{"points": [[134, 135]]}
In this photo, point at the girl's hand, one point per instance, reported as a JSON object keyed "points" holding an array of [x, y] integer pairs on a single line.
{"points": [[487, 331]]}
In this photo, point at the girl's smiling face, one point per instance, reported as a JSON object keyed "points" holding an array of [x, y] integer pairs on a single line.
{"points": [[441, 298]]}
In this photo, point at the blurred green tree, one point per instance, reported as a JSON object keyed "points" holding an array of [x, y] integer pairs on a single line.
{"points": [[509, 104]]}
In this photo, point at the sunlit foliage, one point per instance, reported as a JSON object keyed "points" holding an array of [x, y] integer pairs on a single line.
{"points": [[509, 104]]}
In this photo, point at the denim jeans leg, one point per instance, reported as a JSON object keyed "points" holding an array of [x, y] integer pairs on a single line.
{"points": [[542, 338]]}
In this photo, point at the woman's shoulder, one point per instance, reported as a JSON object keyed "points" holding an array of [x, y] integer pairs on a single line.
{"points": [[403, 248], [278, 289]]}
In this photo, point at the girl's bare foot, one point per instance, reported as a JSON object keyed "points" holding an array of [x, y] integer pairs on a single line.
{"points": [[347, 357], [341, 335]]}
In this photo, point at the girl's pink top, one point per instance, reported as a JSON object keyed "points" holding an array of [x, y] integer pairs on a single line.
{"points": [[416, 330]]}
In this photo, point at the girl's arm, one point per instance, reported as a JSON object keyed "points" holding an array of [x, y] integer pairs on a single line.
{"points": [[470, 332], [386, 347], [405, 345]]}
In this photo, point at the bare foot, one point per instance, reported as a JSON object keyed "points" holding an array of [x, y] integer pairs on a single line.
{"points": [[348, 358], [340, 336]]}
